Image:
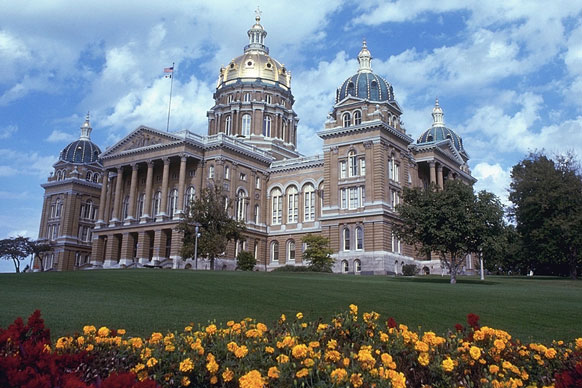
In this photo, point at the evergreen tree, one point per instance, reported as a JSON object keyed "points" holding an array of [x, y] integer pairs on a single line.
{"points": [[318, 253]]}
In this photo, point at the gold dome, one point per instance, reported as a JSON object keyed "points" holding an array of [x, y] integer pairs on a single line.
{"points": [[255, 64]]}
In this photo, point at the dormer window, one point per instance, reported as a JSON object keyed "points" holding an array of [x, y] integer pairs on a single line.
{"points": [[357, 117], [347, 119], [429, 138], [351, 88]]}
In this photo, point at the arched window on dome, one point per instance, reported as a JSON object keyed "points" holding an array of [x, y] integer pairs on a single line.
{"points": [[227, 125], [429, 137], [351, 89], [347, 119], [246, 124], [267, 126], [357, 117]]}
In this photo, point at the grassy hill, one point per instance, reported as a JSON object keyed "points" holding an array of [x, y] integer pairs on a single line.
{"points": [[142, 301]]}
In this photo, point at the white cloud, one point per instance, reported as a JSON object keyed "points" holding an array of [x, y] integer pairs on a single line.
{"points": [[493, 178], [25, 163], [8, 131], [57, 136], [7, 171]]}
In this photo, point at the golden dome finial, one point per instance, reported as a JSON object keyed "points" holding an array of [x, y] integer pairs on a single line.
{"points": [[258, 13], [365, 59]]}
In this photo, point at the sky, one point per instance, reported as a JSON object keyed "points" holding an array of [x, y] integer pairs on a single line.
{"points": [[508, 75]]}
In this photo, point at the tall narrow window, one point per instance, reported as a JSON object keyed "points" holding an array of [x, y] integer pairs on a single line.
{"points": [[172, 202], [125, 209], [353, 163], [59, 207], [257, 183], [357, 117], [226, 172], [275, 251], [267, 126], [241, 203], [140, 205], [257, 214], [157, 203], [227, 125], [343, 199], [292, 205], [396, 246], [189, 196], [345, 266], [357, 266], [359, 238], [246, 124], [342, 169], [309, 202], [363, 166], [277, 206], [347, 119], [268, 99], [284, 131], [247, 97], [291, 251], [346, 238], [354, 200], [211, 172]]}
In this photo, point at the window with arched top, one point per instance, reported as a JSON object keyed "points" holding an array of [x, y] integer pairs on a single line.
{"points": [[284, 131], [357, 266], [172, 202], [345, 266], [227, 125], [157, 203], [257, 214], [125, 207], [89, 176], [276, 206], [275, 251], [346, 238], [291, 251], [347, 119], [246, 124], [359, 238], [241, 205], [352, 163], [96, 177], [58, 207], [267, 126], [357, 117], [309, 202], [351, 89], [140, 205], [292, 205]]}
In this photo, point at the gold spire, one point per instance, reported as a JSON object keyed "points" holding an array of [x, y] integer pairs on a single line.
{"points": [[86, 129], [365, 59]]}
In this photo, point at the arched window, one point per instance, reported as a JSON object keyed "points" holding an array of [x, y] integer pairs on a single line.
{"points": [[241, 205], [292, 205], [227, 125], [347, 119], [351, 88], [156, 203], [189, 196], [357, 266], [246, 124], [89, 176], [140, 204], [352, 163], [275, 251], [60, 175], [172, 202], [359, 238], [345, 266], [396, 246], [346, 238], [87, 210], [96, 177], [309, 203], [357, 117], [277, 206], [58, 207], [267, 126], [257, 214], [125, 208], [291, 251]]}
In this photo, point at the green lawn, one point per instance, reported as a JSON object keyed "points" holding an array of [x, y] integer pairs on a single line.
{"points": [[142, 301]]}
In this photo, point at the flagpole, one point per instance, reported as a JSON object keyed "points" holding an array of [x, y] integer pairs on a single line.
{"points": [[170, 103]]}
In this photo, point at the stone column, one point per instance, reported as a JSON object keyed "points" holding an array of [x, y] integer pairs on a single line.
{"points": [[112, 251], [102, 201], [235, 118], [109, 198], [131, 206], [143, 247], [432, 172], [175, 249], [440, 176], [165, 178], [97, 251], [148, 194], [117, 199], [159, 245], [126, 249], [181, 183]]}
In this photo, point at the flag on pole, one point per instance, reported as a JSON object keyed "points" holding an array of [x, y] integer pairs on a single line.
{"points": [[168, 71]]}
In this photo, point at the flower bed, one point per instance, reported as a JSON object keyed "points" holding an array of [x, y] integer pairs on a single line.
{"points": [[351, 350]]}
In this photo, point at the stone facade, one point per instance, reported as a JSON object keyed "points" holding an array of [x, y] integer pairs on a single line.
{"points": [[138, 189]]}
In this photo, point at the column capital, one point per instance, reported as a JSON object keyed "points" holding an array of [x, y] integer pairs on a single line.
{"points": [[183, 157], [166, 160], [432, 163]]}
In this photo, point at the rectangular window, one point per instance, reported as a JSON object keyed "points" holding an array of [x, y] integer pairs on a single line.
{"points": [[309, 205], [277, 210], [226, 172], [362, 196], [354, 197], [396, 172], [363, 167], [343, 199], [257, 183], [268, 98], [211, 172], [396, 246], [243, 177], [342, 169]]}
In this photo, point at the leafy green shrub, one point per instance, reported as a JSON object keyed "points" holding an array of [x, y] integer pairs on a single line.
{"points": [[409, 270], [245, 261]]}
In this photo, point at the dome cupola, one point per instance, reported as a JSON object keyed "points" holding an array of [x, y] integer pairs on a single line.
{"points": [[83, 150], [438, 132]]}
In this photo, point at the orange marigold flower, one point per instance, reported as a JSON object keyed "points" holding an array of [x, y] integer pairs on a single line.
{"points": [[211, 365], [210, 330], [346, 362], [156, 337], [421, 346], [302, 373], [353, 309], [475, 352], [282, 359], [273, 372], [579, 343], [227, 375], [262, 327], [299, 315], [152, 362], [299, 351], [423, 359], [356, 380], [186, 366], [269, 349], [332, 355], [499, 344], [185, 381], [253, 379], [121, 332], [241, 351], [89, 330], [493, 369], [283, 318], [103, 331], [308, 362], [314, 344], [550, 353], [89, 347], [338, 375], [213, 380], [448, 365]]}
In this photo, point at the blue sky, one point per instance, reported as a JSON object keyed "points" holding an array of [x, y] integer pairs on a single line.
{"points": [[508, 74]]}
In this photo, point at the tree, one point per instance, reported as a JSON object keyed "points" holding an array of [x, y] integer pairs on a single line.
{"points": [[210, 213], [448, 222], [38, 249], [15, 249], [245, 261], [547, 208], [318, 253]]}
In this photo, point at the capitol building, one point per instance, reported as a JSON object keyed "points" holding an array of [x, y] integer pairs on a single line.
{"points": [[119, 208]]}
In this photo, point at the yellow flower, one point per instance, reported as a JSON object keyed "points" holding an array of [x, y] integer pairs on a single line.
{"points": [[353, 310], [550, 353], [273, 372], [493, 369], [283, 318], [302, 373], [308, 362], [152, 362], [499, 344], [241, 351], [421, 346], [186, 366], [227, 375], [156, 337], [262, 327], [304, 325], [322, 326], [136, 342], [299, 351], [448, 365], [138, 367], [299, 316], [253, 379], [89, 330], [269, 349], [120, 331], [211, 365], [211, 329], [282, 359], [332, 355], [314, 344], [356, 380], [80, 340], [188, 329], [331, 344], [475, 352], [579, 343], [213, 380], [103, 332], [338, 375], [185, 381], [346, 362], [89, 347], [365, 358], [423, 359]]}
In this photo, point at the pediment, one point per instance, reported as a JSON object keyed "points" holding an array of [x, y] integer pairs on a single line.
{"points": [[140, 138]]}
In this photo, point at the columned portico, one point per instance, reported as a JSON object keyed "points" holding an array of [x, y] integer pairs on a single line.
{"points": [[164, 205], [131, 206], [148, 192], [117, 199]]}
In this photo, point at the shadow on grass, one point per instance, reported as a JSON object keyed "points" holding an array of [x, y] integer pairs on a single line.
{"points": [[444, 280]]}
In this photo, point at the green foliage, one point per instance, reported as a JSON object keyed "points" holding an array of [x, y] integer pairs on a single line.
{"points": [[293, 268], [18, 248], [245, 261], [410, 270], [547, 208], [504, 255], [452, 222], [318, 253], [216, 227]]}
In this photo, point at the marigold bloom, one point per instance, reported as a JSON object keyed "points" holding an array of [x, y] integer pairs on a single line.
{"points": [[121, 331], [314, 344], [550, 353], [353, 309], [241, 351], [211, 365], [332, 355], [213, 380], [283, 318], [448, 365], [253, 379], [367, 361], [89, 347], [262, 327], [156, 337], [499, 344], [269, 349], [346, 362], [421, 346], [356, 380], [299, 315], [475, 352], [579, 343], [227, 375], [89, 330], [302, 373], [282, 359], [424, 359], [338, 375], [299, 351], [136, 342], [210, 329], [103, 331], [185, 381], [152, 362], [308, 362], [186, 366], [273, 372]]}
